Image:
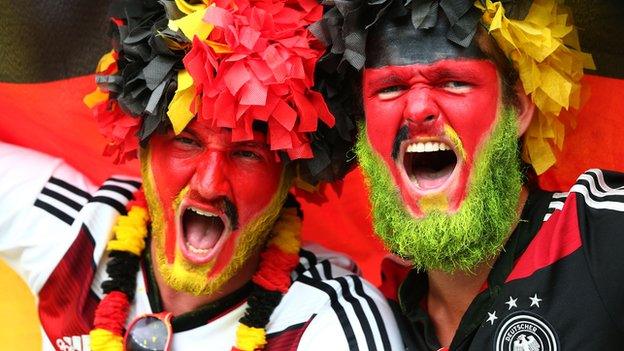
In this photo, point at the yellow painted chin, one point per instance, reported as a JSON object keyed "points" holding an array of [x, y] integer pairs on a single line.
{"points": [[186, 276], [435, 202]]}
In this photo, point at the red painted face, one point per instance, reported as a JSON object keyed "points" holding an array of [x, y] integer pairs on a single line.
{"points": [[210, 189], [427, 122]]}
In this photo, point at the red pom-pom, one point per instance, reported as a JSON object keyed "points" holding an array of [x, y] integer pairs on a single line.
{"points": [[119, 128], [266, 74], [112, 312], [274, 271]]}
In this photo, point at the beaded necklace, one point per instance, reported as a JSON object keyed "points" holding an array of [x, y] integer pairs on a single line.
{"points": [[271, 280]]}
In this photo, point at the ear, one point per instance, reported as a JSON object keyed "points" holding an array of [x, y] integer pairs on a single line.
{"points": [[526, 108]]}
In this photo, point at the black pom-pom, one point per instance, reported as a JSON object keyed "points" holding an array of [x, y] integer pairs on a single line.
{"points": [[122, 270], [261, 303]]}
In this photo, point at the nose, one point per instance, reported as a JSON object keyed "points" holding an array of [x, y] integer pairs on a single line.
{"points": [[210, 179], [421, 108]]}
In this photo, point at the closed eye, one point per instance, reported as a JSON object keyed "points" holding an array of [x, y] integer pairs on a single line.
{"points": [[391, 92], [186, 141], [457, 87], [246, 154]]}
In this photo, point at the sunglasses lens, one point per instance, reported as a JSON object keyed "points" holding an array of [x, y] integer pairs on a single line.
{"points": [[147, 334]]}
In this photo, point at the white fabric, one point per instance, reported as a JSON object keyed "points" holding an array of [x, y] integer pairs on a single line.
{"points": [[33, 241]]}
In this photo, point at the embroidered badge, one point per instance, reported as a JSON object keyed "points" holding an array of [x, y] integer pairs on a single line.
{"points": [[525, 331]]}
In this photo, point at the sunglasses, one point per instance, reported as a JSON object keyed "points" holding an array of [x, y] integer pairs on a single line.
{"points": [[149, 332]]}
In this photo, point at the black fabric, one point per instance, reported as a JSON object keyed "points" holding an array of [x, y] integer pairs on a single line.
{"points": [[80, 38], [291, 202], [603, 235], [577, 296], [414, 288], [261, 303]]}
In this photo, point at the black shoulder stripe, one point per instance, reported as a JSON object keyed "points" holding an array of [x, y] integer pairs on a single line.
{"points": [[65, 185], [359, 289], [125, 192], [54, 211], [62, 198], [111, 202], [337, 307], [308, 255], [134, 183], [327, 270], [359, 313], [312, 262], [300, 269]]}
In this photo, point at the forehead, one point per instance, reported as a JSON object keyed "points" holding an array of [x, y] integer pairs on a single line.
{"points": [[466, 69], [396, 42], [207, 130]]}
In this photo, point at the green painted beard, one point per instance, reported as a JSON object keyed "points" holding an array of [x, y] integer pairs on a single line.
{"points": [[473, 234]]}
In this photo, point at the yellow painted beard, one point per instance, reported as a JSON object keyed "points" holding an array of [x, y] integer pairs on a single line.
{"points": [[182, 275]]}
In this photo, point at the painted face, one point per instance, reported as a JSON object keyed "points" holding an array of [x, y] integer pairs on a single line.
{"points": [[427, 122], [212, 202], [429, 107]]}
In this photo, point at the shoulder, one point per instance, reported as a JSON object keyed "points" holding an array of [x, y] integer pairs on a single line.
{"points": [[47, 209], [600, 191], [595, 206], [25, 173], [331, 305]]}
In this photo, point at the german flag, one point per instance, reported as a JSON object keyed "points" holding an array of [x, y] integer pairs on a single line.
{"points": [[49, 50]]}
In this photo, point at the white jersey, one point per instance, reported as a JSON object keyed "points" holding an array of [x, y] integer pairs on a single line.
{"points": [[54, 226]]}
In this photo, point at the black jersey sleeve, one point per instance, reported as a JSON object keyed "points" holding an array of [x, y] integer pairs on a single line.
{"points": [[600, 203]]}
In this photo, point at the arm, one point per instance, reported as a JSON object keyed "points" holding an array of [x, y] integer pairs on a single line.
{"points": [[34, 211]]}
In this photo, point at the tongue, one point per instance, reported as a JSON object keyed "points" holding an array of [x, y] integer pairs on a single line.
{"points": [[430, 179], [203, 232]]}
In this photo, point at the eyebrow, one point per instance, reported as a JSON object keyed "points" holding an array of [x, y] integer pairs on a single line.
{"points": [[442, 73], [391, 79], [252, 143]]}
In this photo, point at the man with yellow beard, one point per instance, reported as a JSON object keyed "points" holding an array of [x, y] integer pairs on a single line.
{"points": [[216, 99], [448, 88]]}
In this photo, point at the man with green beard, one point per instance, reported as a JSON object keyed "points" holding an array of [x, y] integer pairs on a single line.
{"points": [[497, 264], [204, 251]]}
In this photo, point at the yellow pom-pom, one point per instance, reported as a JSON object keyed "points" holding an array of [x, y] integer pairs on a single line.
{"points": [[130, 232], [104, 340], [287, 229], [544, 49], [249, 338], [183, 103]]}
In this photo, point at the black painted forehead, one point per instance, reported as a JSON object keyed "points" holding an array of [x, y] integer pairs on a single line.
{"points": [[395, 42]]}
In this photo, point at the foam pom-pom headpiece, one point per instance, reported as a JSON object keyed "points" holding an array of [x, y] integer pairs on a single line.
{"points": [[231, 63]]}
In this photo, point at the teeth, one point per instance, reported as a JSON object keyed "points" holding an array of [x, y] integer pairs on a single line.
{"points": [[196, 250], [430, 146], [203, 213]]}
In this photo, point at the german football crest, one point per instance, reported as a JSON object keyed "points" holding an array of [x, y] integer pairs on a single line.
{"points": [[525, 331]]}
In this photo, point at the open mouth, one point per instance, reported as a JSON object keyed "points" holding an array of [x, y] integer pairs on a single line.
{"points": [[429, 164], [202, 232]]}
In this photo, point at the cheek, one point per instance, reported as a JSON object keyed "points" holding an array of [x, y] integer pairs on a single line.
{"points": [[254, 188], [474, 116], [383, 120], [171, 174]]}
